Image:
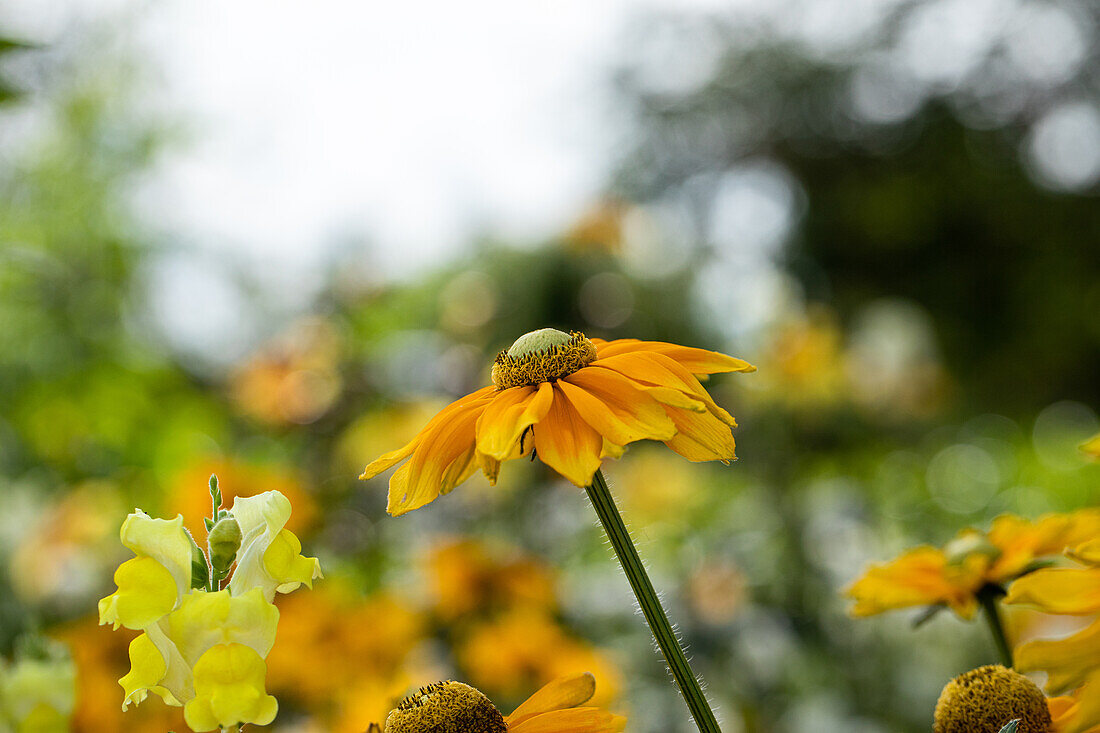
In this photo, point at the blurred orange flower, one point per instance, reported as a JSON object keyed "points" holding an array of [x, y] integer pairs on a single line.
{"points": [[99, 654], [953, 576], [335, 633], [465, 577], [525, 648], [580, 401], [189, 493], [295, 378]]}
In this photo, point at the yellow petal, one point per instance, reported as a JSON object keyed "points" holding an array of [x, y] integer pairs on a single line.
{"points": [[1092, 446], [658, 370], [566, 443], [269, 558], [510, 413], [1085, 717], [700, 436], [1073, 591], [1068, 662], [920, 577], [229, 689], [147, 670], [163, 540], [208, 619], [564, 692], [146, 592], [573, 720]]}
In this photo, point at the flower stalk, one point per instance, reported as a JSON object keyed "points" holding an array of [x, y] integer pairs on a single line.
{"points": [[654, 613], [988, 597]]}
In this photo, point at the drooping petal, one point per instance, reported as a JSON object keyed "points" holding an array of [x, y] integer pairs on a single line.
{"points": [[658, 370], [146, 592], [1074, 591], [391, 459], [566, 443], [696, 361], [230, 688], [510, 413], [1085, 716], [564, 692], [700, 436], [269, 557], [1068, 662], [426, 475], [573, 720], [618, 411]]}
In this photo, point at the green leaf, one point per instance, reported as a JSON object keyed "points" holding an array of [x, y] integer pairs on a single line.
{"points": [[200, 571], [1012, 726]]}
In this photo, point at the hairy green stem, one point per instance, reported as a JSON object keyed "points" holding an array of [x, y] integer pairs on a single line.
{"points": [[654, 613], [988, 596]]}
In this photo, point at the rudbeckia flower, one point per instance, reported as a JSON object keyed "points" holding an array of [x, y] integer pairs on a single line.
{"points": [[454, 707], [1072, 663], [572, 400], [203, 647], [954, 575]]}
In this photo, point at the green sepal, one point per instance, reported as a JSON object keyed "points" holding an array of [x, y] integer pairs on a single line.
{"points": [[1011, 726], [200, 571], [224, 540]]}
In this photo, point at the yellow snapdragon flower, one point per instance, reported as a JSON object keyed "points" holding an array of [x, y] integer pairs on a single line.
{"points": [[203, 647]]}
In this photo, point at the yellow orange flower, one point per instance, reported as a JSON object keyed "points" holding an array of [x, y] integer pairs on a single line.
{"points": [[525, 648], [953, 575], [465, 577], [572, 400], [454, 707], [1072, 664]]}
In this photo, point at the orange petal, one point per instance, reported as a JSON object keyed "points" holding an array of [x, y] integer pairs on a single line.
{"points": [[696, 361], [660, 371], [573, 720], [444, 458], [564, 692], [1074, 591], [388, 460], [510, 413], [616, 408], [566, 443]]}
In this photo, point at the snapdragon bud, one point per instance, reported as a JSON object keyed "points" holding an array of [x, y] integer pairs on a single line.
{"points": [[224, 540]]}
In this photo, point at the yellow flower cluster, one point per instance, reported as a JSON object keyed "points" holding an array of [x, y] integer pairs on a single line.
{"points": [[954, 574], [203, 647], [1072, 664]]}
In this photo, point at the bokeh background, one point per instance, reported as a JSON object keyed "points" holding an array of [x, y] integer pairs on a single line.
{"points": [[269, 239]]}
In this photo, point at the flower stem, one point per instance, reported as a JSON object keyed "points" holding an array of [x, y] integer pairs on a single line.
{"points": [[988, 596], [651, 607]]}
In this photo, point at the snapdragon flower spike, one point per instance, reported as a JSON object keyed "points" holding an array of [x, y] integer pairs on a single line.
{"points": [[204, 649]]}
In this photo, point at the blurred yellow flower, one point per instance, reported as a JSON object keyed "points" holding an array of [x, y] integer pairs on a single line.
{"points": [[804, 362], [526, 648], [465, 577], [599, 229], [201, 647], [1072, 663], [454, 707], [954, 575], [574, 401], [1092, 446], [37, 692]]}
